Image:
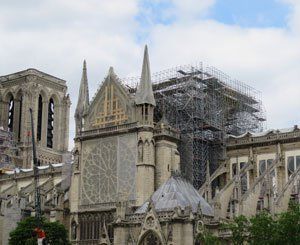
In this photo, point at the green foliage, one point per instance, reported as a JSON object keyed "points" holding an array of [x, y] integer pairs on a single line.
{"points": [[56, 233], [24, 234], [263, 229], [208, 238], [289, 226], [239, 229]]}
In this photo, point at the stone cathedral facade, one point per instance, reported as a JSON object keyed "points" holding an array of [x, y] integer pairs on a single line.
{"points": [[48, 98], [124, 185], [121, 159]]}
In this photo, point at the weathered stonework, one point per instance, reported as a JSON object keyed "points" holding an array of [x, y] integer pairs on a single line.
{"points": [[125, 185], [34, 89], [262, 172]]}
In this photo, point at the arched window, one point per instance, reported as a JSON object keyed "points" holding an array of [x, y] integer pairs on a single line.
{"points": [[74, 230], [140, 151], [150, 239], [40, 118], [50, 123], [20, 118], [11, 108]]}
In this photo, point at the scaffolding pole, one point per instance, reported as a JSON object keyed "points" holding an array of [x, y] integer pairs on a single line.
{"points": [[205, 105]]}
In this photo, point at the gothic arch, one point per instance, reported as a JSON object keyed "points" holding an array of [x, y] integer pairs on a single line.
{"points": [[50, 122], [19, 92], [56, 98], [8, 112], [151, 228], [7, 95], [40, 117], [150, 237], [140, 151], [19, 99], [152, 151], [147, 151], [44, 93], [74, 232]]}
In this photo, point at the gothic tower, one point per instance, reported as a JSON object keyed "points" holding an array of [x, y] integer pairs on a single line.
{"points": [[48, 98], [145, 104]]}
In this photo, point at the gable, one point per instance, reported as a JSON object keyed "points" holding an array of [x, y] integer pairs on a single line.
{"points": [[111, 106]]}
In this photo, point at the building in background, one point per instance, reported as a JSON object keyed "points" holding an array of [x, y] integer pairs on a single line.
{"points": [[48, 98], [262, 172]]}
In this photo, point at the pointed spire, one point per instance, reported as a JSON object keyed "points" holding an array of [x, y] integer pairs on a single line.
{"points": [[83, 98], [111, 71], [144, 93]]}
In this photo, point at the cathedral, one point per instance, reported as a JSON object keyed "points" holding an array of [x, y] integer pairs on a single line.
{"points": [[151, 165], [126, 184]]}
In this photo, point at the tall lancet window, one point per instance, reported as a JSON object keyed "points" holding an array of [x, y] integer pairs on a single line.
{"points": [[11, 109], [40, 117], [20, 118], [50, 123]]}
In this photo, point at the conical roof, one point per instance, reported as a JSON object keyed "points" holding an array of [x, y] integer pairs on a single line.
{"points": [[177, 192], [144, 93], [83, 98]]}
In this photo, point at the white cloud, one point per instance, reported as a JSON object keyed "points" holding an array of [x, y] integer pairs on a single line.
{"points": [[56, 35], [265, 58], [191, 9]]}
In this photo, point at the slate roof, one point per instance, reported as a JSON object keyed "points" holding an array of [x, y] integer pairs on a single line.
{"points": [[177, 192]]}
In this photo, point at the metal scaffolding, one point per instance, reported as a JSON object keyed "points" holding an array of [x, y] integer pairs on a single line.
{"points": [[204, 104], [8, 150]]}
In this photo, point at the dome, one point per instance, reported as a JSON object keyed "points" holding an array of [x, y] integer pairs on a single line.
{"points": [[177, 192]]}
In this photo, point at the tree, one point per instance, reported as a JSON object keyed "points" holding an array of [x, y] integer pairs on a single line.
{"points": [[263, 229], [239, 229], [208, 238], [289, 226], [24, 233]]}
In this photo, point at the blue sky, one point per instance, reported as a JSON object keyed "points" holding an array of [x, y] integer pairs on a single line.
{"points": [[251, 13], [244, 13]]}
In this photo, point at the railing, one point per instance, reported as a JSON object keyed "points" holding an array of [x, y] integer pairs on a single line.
{"points": [[99, 206], [262, 139], [106, 130], [167, 131], [29, 173]]}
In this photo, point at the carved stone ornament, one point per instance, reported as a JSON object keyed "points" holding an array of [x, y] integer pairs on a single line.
{"points": [[151, 224]]}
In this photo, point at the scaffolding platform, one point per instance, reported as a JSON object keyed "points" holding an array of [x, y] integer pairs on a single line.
{"points": [[205, 104]]}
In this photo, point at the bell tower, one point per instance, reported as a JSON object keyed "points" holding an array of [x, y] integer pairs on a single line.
{"points": [[47, 96], [145, 103]]}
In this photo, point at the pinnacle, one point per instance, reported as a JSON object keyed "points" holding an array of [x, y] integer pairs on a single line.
{"points": [[144, 93]]}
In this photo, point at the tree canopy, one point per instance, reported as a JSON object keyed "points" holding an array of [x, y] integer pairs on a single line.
{"points": [[24, 233], [264, 229]]}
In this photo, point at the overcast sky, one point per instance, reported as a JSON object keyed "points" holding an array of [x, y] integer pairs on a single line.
{"points": [[255, 41]]}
